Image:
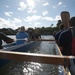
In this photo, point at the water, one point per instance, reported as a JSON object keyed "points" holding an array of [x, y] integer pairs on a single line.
{"points": [[31, 68]]}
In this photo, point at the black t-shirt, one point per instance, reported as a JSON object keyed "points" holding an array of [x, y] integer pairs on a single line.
{"points": [[65, 41]]}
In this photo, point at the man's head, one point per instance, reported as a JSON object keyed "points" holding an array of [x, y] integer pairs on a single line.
{"points": [[22, 29], [72, 21]]}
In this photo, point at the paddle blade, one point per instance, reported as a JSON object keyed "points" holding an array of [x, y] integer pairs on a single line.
{"points": [[65, 16]]}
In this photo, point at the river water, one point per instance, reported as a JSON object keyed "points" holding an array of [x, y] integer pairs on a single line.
{"points": [[31, 68]]}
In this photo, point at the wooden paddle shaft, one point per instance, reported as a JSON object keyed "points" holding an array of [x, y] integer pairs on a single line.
{"points": [[65, 16], [44, 40]]}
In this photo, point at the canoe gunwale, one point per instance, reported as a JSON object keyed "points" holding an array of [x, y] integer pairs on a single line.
{"points": [[12, 46]]}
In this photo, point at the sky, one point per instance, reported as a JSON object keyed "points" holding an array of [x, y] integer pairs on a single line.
{"points": [[33, 13]]}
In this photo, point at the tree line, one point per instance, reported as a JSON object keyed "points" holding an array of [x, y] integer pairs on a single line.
{"points": [[42, 30]]}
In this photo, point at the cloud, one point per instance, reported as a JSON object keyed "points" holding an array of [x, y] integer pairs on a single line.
{"points": [[48, 18], [31, 6], [64, 5], [16, 20], [8, 13], [22, 6], [7, 24], [60, 3], [45, 4], [52, 19], [32, 18], [7, 6], [36, 24], [3, 21], [54, 6], [32, 11], [45, 12], [57, 18]]}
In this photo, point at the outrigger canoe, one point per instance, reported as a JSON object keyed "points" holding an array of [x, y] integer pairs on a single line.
{"points": [[41, 58], [21, 47], [17, 48]]}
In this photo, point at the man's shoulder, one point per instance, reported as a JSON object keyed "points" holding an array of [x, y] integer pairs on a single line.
{"points": [[65, 32], [59, 32]]}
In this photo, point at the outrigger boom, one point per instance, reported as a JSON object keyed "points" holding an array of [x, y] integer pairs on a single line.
{"points": [[40, 58]]}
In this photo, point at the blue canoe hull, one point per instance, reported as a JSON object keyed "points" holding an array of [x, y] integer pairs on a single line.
{"points": [[18, 48]]}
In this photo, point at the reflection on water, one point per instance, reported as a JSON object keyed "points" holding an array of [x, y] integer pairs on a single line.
{"points": [[31, 68]]}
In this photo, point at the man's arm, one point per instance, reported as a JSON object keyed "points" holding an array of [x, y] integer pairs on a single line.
{"points": [[6, 39]]}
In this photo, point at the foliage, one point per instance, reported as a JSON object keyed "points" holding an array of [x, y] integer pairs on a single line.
{"points": [[42, 30]]}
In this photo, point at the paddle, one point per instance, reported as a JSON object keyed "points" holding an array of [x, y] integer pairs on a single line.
{"points": [[65, 16], [37, 39], [43, 40]]}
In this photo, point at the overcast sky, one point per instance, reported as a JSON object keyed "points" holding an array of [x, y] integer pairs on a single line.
{"points": [[33, 13]]}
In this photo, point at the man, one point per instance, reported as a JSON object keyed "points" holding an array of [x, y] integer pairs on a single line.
{"points": [[67, 43], [65, 39], [22, 36], [31, 35], [37, 35], [5, 39]]}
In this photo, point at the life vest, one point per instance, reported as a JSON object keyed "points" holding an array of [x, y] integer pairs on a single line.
{"points": [[73, 41]]}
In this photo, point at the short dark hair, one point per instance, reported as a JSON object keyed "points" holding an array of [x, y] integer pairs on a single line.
{"points": [[61, 26], [72, 21]]}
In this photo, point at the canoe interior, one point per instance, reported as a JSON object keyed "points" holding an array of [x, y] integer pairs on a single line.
{"points": [[19, 48]]}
